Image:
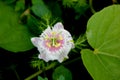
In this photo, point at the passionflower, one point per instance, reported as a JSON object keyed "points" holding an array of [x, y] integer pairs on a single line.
{"points": [[54, 43]]}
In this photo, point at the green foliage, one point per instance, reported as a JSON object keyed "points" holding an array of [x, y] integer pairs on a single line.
{"points": [[80, 6], [34, 25], [20, 5], [69, 3], [55, 9], [80, 42], [13, 36], [37, 63], [40, 9], [40, 78], [103, 31], [74, 3], [62, 73], [9, 1], [102, 60], [38, 2], [61, 78]]}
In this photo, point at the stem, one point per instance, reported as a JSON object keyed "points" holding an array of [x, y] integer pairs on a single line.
{"points": [[49, 67], [66, 63], [13, 68], [91, 6], [16, 74], [114, 1], [26, 12], [40, 71]]}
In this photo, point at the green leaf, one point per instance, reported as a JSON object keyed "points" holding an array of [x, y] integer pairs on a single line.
{"points": [[101, 67], [55, 8], [40, 78], [40, 9], [34, 26], [40, 2], [13, 36], [80, 7], [61, 77], [103, 31], [20, 5], [68, 3], [9, 1], [62, 73]]}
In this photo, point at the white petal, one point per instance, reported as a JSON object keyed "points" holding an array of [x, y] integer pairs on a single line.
{"points": [[35, 41], [53, 55], [58, 26], [43, 56], [46, 32], [47, 55], [62, 56], [68, 38], [65, 51]]}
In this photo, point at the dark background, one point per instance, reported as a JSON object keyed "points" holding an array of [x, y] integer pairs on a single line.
{"points": [[21, 61]]}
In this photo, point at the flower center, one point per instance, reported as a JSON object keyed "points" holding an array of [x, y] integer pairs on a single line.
{"points": [[54, 41]]}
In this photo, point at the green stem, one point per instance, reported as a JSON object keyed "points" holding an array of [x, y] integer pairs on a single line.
{"points": [[40, 71], [73, 60], [91, 6], [49, 67], [16, 74], [13, 68], [114, 1]]}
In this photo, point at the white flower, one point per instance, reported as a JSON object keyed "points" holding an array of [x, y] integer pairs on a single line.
{"points": [[54, 44]]}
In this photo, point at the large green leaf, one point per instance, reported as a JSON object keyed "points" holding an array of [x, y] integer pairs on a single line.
{"points": [[9, 1], [13, 36], [40, 9], [103, 34]]}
